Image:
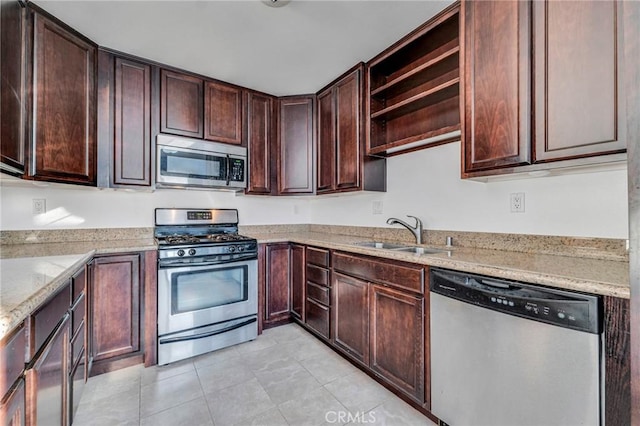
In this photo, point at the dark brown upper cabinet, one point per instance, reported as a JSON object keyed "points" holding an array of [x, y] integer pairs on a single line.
{"points": [[13, 102], [542, 84], [341, 163], [222, 113], [261, 137], [413, 89], [125, 121], [578, 96], [497, 84], [295, 145], [64, 96], [181, 104]]}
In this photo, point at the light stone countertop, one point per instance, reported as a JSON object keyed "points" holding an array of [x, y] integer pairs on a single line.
{"points": [[30, 273], [597, 276]]}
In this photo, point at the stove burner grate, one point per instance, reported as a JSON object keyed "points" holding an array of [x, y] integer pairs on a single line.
{"points": [[181, 239]]}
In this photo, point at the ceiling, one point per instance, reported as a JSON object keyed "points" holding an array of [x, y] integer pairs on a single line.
{"points": [[294, 49]]}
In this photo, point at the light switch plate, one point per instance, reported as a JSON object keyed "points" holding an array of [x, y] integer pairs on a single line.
{"points": [[376, 207]]}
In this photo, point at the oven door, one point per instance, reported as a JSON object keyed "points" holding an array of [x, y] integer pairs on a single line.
{"points": [[197, 296]]}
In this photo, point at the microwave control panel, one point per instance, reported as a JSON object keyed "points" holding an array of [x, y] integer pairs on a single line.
{"points": [[236, 173]]}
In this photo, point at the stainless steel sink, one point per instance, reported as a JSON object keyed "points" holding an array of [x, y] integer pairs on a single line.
{"points": [[381, 245], [399, 247], [420, 250]]}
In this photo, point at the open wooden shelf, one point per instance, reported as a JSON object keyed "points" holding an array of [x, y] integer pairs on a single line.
{"points": [[414, 88]]}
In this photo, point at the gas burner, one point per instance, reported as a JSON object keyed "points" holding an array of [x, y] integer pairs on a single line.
{"points": [[182, 239], [225, 237]]}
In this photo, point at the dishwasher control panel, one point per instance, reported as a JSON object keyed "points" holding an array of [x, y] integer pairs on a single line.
{"points": [[558, 307]]}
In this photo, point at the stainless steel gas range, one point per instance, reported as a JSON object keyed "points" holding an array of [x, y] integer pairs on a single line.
{"points": [[207, 282]]}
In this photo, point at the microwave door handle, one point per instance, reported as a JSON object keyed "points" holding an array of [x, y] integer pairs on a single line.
{"points": [[228, 169]]}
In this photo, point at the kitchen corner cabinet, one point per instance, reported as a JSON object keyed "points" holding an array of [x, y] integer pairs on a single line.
{"points": [[574, 110], [116, 293], [64, 104], [295, 145], [341, 165], [222, 113], [261, 138], [125, 135], [181, 104], [297, 275], [414, 89], [13, 100], [274, 280]]}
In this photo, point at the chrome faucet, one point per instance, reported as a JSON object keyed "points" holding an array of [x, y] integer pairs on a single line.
{"points": [[415, 230]]}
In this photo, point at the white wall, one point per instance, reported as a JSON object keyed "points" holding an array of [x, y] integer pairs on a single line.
{"points": [[73, 207], [425, 183]]}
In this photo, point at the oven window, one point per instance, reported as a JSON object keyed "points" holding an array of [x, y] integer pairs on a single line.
{"points": [[195, 290]]}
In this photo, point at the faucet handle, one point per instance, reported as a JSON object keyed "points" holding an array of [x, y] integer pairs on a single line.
{"points": [[418, 221]]}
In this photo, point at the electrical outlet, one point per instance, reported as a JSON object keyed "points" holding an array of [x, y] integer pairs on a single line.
{"points": [[517, 202], [39, 205], [376, 207]]}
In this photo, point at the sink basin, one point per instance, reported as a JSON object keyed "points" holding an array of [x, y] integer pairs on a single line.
{"points": [[419, 250], [381, 245]]}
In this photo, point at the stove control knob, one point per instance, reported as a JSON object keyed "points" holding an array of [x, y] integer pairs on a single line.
{"points": [[192, 252], [181, 252], [232, 249], [240, 248]]}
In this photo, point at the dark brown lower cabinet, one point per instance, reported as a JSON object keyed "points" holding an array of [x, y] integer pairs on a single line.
{"points": [[115, 293], [318, 317], [77, 380], [46, 380], [12, 410], [617, 359], [297, 281], [397, 339], [275, 284], [351, 316]]}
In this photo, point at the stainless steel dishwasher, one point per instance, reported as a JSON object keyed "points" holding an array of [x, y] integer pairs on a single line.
{"points": [[513, 354]]}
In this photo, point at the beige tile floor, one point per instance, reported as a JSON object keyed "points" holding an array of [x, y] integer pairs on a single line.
{"points": [[284, 377]]}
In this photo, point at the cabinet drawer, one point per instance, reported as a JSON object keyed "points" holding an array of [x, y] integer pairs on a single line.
{"points": [[45, 319], [12, 349], [318, 256], [78, 314], [318, 317], [318, 275], [396, 274], [77, 344], [318, 293], [78, 284]]}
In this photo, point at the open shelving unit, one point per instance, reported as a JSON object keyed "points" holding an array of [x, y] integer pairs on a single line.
{"points": [[414, 89]]}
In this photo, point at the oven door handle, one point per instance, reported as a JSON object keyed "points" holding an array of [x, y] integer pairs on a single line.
{"points": [[163, 264], [207, 334]]}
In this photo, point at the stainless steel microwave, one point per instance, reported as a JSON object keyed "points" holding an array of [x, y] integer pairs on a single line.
{"points": [[191, 163]]}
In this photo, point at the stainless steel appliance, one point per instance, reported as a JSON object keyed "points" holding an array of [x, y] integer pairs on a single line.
{"points": [[508, 353], [192, 163], [207, 282]]}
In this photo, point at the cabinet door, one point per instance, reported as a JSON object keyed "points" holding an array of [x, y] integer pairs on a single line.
{"points": [[222, 113], [348, 94], [295, 137], [181, 104], [297, 280], [617, 361], [132, 123], [326, 161], [115, 306], [277, 277], [497, 49], [579, 103], [12, 410], [47, 379], [397, 339], [64, 139], [12, 86], [351, 316], [259, 142]]}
